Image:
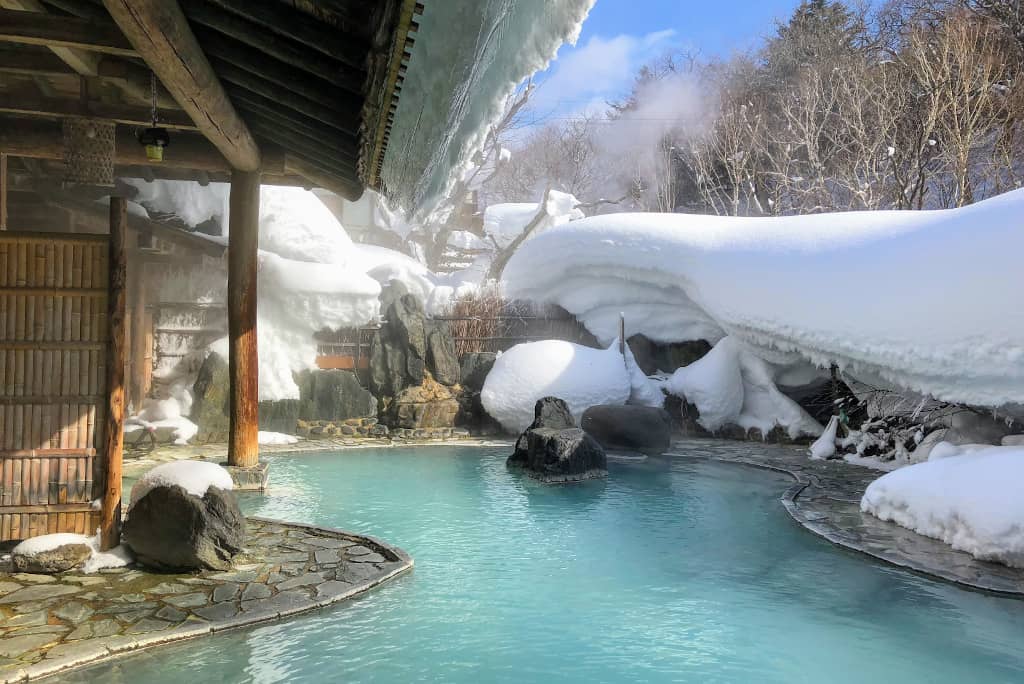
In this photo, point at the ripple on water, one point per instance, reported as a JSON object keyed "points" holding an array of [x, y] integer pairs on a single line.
{"points": [[672, 569]]}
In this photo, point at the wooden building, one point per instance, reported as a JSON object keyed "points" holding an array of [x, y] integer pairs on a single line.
{"points": [[297, 92]]}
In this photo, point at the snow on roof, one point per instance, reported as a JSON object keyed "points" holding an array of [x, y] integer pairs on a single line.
{"points": [[927, 301], [455, 89]]}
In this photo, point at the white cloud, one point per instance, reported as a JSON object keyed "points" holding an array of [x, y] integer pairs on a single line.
{"points": [[587, 76]]}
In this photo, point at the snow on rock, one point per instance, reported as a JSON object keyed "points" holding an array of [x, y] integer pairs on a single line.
{"points": [[732, 386], [923, 300], [643, 391], [48, 542], [117, 557], [969, 499], [167, 413], [195, 477], [275, 438], [825, 446], [581, 376]]}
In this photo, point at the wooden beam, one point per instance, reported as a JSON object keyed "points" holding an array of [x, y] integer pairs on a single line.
{"points": [[37, 28], [82, 61], [343, 112], [342, 157], [243, 363], [140, 356], [3, 191], [32, 62], [264, 40], [351, 191], [42, 139], [59, 108], [230, 51], [275, 16], [80, 8], [160, 32], [301, 123], [110, 511]]}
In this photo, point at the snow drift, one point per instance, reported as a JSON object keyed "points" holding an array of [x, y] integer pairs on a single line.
{"points": [[968, 497], [581, 376], [927, 301]]}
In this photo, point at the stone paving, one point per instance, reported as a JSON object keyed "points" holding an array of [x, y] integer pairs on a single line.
{"points": [[53, 623], [826, 501]]}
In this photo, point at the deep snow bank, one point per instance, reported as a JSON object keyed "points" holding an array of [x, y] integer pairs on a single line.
{"points": [[732, 386], [969, 497], [581, 376], [928, 301]]}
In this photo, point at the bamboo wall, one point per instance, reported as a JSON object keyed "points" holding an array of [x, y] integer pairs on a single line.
{"points": [[53, 346]]}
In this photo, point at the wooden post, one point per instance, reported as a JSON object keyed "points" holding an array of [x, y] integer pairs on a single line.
{"points": [[139, 353], [243, 372], [3, 191], [110, 514]]}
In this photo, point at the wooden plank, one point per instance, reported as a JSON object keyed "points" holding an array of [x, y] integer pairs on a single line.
{"points": [[160, 32], [36, 28], [243, 371], [131, 115], [3, 191], [110, 517]]}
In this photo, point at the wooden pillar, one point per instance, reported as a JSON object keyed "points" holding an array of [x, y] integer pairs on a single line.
{"points": [[110, 513], [139, 353], [243, 372], [3, 191]]}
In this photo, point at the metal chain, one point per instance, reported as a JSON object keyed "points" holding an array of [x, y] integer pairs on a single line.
{"points": [[152, 93]]}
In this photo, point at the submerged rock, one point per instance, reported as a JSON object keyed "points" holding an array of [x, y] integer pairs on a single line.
{"points": [[567, 455], [549, 412], [553, 449], [634, 428], [171, 529]]}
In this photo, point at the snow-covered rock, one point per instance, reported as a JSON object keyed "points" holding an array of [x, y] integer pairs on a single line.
{"points": [[970, 498], [581, 376], [60, 552], [922, 300], [730, 385], [195, 477], [275, 438]]}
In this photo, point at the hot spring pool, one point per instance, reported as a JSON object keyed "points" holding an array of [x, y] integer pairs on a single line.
{"points": [[673, 569]]}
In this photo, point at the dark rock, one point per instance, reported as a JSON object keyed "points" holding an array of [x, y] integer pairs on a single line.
{"points": [[566, 455], [474, 370], [652, 356], [170, 529], [474, 417], [429, 405], [60, 559], [334, 395], [210, 400], [441, 358], [549, 412], [408, 347], [279, 416], [633, 428]]}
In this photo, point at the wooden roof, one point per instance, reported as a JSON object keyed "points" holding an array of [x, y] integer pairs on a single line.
{"points": [[311, 85]]}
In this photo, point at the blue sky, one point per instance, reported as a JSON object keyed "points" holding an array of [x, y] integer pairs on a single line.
{"points": [[621, 35]]}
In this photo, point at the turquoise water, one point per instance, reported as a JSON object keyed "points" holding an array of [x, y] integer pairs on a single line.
{"points": [[672, 570]]}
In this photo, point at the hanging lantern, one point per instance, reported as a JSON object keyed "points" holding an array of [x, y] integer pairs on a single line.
{"points": [[154, 140], [89, 151]]}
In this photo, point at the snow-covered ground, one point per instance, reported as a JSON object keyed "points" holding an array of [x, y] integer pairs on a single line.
{"points": [[928, 301], [968, 497]]}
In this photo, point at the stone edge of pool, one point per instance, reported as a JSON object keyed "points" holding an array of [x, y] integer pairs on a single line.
{"points": [[108, 649], [825, 500]]}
